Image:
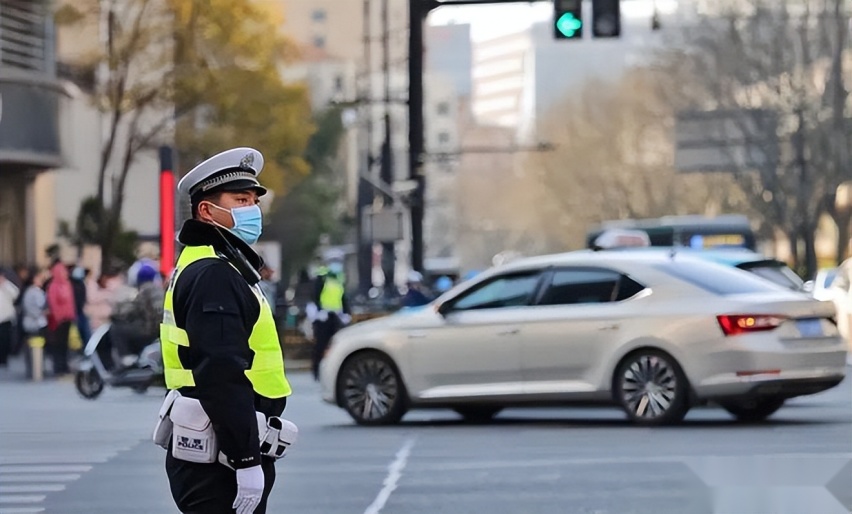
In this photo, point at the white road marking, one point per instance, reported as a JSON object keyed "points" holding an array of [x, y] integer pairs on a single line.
{"points": [[31, 488], [394, 474], [59, 468], [68, 477], [18, 498], [21, 483]]}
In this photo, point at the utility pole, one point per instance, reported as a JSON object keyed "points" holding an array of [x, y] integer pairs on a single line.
{"points": [[387, 171], [417, 11], [365, 190]]}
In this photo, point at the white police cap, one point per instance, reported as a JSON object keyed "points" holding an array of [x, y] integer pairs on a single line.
{"points": [[232, 170]]}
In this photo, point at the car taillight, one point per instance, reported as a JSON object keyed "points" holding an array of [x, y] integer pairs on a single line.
{"points": [[736, 324]]}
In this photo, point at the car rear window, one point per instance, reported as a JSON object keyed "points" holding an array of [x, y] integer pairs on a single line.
{"points": [[718, 279], [781, 275]]}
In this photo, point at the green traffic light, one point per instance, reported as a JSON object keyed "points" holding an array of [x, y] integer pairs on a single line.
{"points": [[568, 25]]}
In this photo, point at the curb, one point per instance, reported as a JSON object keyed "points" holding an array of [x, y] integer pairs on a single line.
{"points": [[297, 365]]}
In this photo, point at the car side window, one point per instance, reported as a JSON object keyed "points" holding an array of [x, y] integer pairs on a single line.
{"points": [[583, 286], [504, 291]]}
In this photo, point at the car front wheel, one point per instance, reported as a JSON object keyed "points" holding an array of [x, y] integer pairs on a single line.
{"points": [[754, 409], [651, 388], [371, 389]]}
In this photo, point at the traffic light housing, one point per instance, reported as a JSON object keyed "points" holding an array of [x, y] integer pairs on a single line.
{"points": [[606, 18], [568, 19]]}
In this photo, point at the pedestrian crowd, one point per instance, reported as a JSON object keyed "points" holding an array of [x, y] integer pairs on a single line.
{"points": [[57, 308]]}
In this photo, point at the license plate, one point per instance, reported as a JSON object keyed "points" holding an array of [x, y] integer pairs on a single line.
{"points": [[809, 327]]}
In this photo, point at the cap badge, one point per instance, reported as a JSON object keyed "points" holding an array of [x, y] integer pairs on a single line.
{"points": [[247, 162]]}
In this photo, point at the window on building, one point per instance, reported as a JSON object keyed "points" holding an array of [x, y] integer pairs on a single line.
{"points": [[319, 41], [443, 108], [24, 42], [318, 15]]}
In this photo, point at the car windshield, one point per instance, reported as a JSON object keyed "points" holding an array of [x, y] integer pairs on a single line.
{"points": [[718, 279]]}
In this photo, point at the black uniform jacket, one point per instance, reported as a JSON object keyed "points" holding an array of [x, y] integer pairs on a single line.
{"points": [[214, 303]]}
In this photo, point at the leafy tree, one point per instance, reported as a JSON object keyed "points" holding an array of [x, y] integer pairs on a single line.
{"points": [[203, 73], [86, 232], [312, 207]]}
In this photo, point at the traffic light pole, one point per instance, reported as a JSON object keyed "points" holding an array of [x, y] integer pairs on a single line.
{"points": [[417, 12]]}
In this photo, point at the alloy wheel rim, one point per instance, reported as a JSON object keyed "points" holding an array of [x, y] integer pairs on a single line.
{"points": [[370, 388], [649, 386]]}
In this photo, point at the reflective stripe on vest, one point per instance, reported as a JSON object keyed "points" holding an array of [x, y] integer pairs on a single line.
{"points": [[267, 369], [331, 297]]}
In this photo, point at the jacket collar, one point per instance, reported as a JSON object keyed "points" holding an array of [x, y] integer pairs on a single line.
{"points": [[199, 233]]}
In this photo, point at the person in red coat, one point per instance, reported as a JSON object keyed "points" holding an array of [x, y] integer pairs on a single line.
{"points": [[62, 313]]}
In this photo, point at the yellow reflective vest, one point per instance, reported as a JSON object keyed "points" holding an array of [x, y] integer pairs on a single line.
{"points": [[331, 296], [267, 369]]}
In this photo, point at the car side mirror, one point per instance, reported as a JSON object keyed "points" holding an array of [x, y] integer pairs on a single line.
{"points": [[444, 309]]}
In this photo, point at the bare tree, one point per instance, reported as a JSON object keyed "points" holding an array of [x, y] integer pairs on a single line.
{"points": [[786, 58], [614, 159]]}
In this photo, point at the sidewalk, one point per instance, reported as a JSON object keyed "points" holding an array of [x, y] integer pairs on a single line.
{"points": [[16, 370]]}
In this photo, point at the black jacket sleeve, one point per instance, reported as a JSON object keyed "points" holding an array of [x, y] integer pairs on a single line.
{"points": [[319, 284], [221, 311]]}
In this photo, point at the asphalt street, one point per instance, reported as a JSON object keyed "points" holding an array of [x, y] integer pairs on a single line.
{"points": [[62, 454]]}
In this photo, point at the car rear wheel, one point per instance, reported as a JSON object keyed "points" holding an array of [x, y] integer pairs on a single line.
{"points": [[478, 413], [371, 389], [754, 409], [651, 388]]}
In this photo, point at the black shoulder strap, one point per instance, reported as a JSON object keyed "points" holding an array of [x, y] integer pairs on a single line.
{"points": [[239, 261]]}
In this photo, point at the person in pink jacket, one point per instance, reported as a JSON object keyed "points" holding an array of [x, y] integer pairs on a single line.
{"points": [[62, 313]]}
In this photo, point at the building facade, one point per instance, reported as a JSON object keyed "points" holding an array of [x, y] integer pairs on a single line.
{"points": [[30, 97]]}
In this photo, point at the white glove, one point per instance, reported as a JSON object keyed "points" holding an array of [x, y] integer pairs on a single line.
{"points": [[250, 484], [345, 318], [311, 311], [322, 316]]}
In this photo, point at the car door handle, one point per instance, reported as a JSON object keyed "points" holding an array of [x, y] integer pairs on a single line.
{"points": [[417, 335], [508, 332], [614, 326]]}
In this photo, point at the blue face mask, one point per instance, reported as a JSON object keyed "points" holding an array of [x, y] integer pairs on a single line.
{"points": [[248, 222]]}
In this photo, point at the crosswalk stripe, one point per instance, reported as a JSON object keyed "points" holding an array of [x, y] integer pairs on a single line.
{"points": [[21, 510], [59, 468], [31, 488], [22, 498], [47, 460], [68, 477]]}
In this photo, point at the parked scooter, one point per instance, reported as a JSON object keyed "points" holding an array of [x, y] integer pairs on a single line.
{"points": [[100, 367]]}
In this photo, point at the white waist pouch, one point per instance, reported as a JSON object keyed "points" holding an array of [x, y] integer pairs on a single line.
{"points": [[278, 435], [193, 439], [163, 429]]}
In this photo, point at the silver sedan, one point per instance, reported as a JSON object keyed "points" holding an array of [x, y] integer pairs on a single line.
{"points": [[655, 333]]}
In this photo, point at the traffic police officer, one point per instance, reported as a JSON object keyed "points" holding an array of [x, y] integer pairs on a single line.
{"points": [[329, 310], [219, 341]]}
